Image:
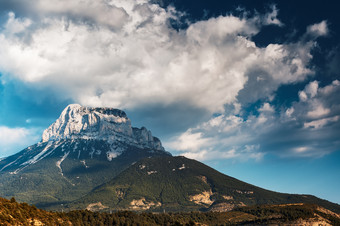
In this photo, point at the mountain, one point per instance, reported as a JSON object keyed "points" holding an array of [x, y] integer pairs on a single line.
{"points": [[179, 184], [92, 158], [82, 149]]}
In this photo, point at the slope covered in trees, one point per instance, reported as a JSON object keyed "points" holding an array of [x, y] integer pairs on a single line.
{"points": [[181, 184], [13, 213]]}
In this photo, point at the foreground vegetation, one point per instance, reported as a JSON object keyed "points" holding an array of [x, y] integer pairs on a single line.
{"points": [[247, 215], [14, 213]]}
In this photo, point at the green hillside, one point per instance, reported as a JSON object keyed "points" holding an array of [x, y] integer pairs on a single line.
{"points": [[180, 184], [48, 186]]}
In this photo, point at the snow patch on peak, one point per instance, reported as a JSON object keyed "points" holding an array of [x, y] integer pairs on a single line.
{"points": [[114, 152], [111, 155], [38, 156], [58, 163], [84, 163], [74, 106]]}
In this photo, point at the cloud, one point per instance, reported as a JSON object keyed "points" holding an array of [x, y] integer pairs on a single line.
{"points": [[210, 155], [192, 141], [266, 108], [308, 128], [14, 139], [316, 124], [312, 88], [15, 25], [319, 29], [271, 18], [98, 12], [318, 111], [309, 92], [279, 64], [318, 102], [125, 54], [136, 58]]}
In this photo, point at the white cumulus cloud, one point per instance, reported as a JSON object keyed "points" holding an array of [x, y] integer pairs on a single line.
{"points": [[308, 128], [124, 54]]}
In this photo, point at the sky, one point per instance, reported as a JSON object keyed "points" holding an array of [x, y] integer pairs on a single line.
{"points": [[251, 88]]}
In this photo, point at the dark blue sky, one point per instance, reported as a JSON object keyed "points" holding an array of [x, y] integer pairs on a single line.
{"points": [[248, 87]]}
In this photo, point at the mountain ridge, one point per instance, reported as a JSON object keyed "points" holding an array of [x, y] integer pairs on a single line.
{"points": [[93, 158]]}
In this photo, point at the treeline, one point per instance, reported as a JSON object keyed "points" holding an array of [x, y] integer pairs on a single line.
{"points": [[14, 213], [84, 217], [263, 214], [283, 213]]}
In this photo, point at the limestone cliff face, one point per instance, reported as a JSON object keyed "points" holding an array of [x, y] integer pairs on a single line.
{"points": [[78, 122]]}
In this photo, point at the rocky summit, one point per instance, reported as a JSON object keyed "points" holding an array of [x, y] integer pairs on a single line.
{"points": [[111, 125], [82, 149]]}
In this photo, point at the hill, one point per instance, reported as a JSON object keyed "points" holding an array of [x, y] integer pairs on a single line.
{"points": [[179, 184]]}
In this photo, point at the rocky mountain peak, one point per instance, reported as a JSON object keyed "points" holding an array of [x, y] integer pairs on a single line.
{"points": [[78, 122]]}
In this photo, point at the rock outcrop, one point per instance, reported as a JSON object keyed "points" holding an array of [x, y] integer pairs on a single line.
{"points": [[78, 122]]}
